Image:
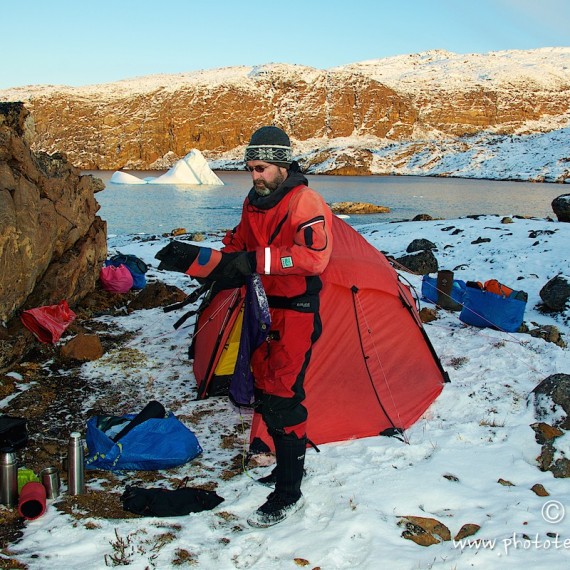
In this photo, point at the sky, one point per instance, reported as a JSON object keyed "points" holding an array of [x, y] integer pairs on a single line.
{"points": [[65, 42]]}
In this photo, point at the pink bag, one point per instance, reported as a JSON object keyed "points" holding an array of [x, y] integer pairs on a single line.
{"points": [[116, 279], [48, 323]]}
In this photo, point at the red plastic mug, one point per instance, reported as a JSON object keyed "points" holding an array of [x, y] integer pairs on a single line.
{"points": [[32, 503]]}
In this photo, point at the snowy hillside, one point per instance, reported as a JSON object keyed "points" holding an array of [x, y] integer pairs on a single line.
{"points": [[503, 115]]}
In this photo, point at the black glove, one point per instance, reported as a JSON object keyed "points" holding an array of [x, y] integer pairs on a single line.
{"points": [[237, 266], [177, 256], [233, 269]]}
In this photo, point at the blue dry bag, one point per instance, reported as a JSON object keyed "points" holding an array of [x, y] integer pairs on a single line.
{"points": [[157, 443], [484, 308]]}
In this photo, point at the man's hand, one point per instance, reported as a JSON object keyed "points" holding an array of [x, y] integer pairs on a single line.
{"points": [[238, 265], [233, 269], [177, 256]]}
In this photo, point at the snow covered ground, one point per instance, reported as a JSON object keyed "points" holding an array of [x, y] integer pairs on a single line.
{"points": [[476, 433]]}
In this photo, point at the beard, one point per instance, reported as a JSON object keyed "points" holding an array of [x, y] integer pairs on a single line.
{"points": [[265, 187]]}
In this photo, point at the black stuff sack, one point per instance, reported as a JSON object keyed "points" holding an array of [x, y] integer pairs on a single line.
{"points": [[156, 502], [13, 433]]}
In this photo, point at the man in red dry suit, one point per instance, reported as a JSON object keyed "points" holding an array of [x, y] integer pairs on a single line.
{"points": [[286, 229], [284, 235]]}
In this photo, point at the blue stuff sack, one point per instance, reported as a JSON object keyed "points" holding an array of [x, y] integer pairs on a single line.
{"points": [[134, 264], [486, 309], [429, 289], [157, 443]]}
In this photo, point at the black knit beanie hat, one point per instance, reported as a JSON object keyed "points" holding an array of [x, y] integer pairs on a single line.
{"points": [[270, 144]]}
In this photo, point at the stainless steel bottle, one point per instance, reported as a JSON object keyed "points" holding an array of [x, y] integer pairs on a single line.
{"points": [[75, 465], [8, 479]]}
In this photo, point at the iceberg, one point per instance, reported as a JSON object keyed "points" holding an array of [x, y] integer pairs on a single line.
{"points": [[125, 178], [192, 169]]}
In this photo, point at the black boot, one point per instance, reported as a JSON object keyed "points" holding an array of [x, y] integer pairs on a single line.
{"points": [[444, 287], [287, 497]]}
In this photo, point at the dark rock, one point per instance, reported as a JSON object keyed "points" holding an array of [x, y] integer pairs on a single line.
{"points": [[544, 433], [559, 467], [532, 234], [549, 333], [424, 531], [422, 218], [157, 294], [83, 347], [539, 490], [556, 293], [552, 400], [561, 207], [427, 315], [420, 245], [468, 529], [421, 262], [481, 240]]}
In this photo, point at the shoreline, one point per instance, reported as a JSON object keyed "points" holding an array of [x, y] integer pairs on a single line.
{"points": [[87, 172]]}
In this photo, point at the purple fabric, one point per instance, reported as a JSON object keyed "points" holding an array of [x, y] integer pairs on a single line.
{"points": [[255, 328]]}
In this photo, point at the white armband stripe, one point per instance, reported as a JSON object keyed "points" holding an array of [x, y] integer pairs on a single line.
{"points": [[308, 224], [267, 268]]}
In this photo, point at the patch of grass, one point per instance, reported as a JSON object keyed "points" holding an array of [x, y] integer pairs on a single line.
{"points": [[184, 557], [458, 361]]}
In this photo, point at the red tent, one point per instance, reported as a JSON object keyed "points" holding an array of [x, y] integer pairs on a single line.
{"points": [[372, 371]]}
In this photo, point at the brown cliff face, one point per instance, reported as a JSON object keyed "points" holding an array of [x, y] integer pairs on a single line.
{"points": [[52, 244], [467, 113], [135, 132], [152, 122]]}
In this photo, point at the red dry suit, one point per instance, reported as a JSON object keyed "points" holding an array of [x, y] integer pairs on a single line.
{"points": [[290, 231]]}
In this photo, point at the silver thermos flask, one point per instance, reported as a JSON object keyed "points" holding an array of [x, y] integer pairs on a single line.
{"points": [[75, 465], [8, 479]]}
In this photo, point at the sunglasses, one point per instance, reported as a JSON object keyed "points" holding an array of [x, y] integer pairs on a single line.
{"points": [[259, 168]]}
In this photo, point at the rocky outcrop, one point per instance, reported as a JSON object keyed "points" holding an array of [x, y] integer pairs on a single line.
{"points": [[556, 293], [551, 400], [52, 243], [358, 208], [561, 207], [405, 113]]}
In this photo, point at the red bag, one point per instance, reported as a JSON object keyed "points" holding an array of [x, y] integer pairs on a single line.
{"points": [[116, 279], [48, 323]]}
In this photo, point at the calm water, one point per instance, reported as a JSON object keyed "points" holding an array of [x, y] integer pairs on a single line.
{"points": [[153, 209]]}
